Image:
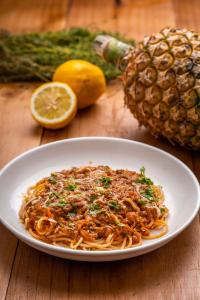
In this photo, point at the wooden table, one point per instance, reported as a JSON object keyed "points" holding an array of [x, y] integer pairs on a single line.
{"points": [[172, 272]]}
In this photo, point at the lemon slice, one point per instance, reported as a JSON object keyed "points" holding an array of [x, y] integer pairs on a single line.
{"points": [[53, 105]]}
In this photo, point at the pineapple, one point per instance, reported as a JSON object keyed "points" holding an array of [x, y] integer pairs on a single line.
{"points": [[161, 82]]}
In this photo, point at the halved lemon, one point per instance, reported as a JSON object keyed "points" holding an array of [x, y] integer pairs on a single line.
{"points": [[53, 105]]}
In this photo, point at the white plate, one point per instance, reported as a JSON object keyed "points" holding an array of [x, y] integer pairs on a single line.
{"points": [[180, 186]]}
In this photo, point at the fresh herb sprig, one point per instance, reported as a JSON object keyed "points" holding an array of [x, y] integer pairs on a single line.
{"points": [[61, 203], [93, 197], [35, 56], [162, 210], [52, 179], [72, 213], [149, 194], [94, 209], [142, 178], [106, 181], [71, 187], [142, 202], [113, 204]]}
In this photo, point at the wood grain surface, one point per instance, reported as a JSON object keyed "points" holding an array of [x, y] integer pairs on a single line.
{"points": [[173, 271]]}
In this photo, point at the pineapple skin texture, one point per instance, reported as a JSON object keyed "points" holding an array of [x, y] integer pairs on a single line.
{"points": [[162, 85]]}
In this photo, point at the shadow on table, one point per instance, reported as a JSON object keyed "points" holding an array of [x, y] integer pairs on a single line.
{"points": [[142, 275], [154, 273]]}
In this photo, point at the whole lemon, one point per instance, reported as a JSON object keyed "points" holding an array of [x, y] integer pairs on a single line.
{"points": [[86, 80]]}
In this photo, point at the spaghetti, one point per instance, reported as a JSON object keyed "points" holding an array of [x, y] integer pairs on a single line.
{"points": [[95, 208]]}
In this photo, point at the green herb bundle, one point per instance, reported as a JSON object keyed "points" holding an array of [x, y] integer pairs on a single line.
{"points": [[35, 56]]}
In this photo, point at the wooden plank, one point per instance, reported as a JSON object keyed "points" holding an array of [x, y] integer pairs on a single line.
{"points": [[138, 18], [38, 15], [92, 14], [7, 255], [187, 14], [30, 276], [18, 133]]}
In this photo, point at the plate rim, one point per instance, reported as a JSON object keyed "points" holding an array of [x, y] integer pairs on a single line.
{"points": [[60, 249]]}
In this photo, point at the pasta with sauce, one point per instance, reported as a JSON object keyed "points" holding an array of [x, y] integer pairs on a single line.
{"points": [[95, 208]]}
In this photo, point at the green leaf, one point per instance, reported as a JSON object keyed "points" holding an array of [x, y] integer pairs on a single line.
{"points": [[72, 213], [142, 171], [144, 180], [162, 210], [73, 205], [100, 189], [106, 181], [141, 202], [71, 187], [113, 204], [26, 199], [70, 225], [61, 203], [35, 56], [93, 197], [52, 179], [94, 209], [148, 193], [54, 194]]}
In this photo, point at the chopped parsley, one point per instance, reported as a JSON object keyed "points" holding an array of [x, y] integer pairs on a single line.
{"points": [[73, 205], [71, 187], [70, 225], [106, 181], [148, 193], [141, 202], [100, 189], [113, 204], [162, 210], [54, 194], [26, 199], [72, 213], [143, 179], [77, 195], [142, 171], [93, 197], [52, 179], [94, 209], [61, 203]]}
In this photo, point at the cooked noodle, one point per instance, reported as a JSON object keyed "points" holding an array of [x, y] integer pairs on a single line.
{"points": [[95, 208]]}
